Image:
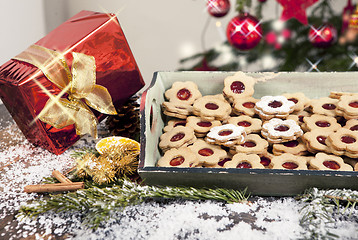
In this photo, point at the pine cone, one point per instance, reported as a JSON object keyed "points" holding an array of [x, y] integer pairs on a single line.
{"points": [[126, 122]]}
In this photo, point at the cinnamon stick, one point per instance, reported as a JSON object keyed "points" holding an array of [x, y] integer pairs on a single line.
{"points": [[55, 187], [60, 177]]}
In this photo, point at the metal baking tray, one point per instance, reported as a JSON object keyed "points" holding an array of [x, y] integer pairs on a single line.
{"points": [[263, 182]]}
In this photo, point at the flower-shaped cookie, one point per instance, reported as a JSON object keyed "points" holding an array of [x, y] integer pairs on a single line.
{"points": [[324, 106], [324, 161], [251, 125], [183, 92], [343, 142], [298, 117], [277, 130], [352, 124], [244, 106], [274, 106], [177, 137], [177, 109], [226, 135], [295, 147], [208, 154], [182, 157], [315, 141], [174, 123], [317, 121], [300, 100], [348, 105], [242, 160], [253, 144], [212, 108], [289, 161], [239, 85], [266, 158], [201, 128]]}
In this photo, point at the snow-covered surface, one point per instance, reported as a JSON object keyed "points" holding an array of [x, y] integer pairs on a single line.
{"points": [[263, 218]]}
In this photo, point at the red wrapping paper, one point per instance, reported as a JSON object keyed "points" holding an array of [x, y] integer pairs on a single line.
{"points": [[91, 33]]}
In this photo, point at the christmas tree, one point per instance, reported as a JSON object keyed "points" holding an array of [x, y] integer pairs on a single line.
{"points": [[324, 40]]}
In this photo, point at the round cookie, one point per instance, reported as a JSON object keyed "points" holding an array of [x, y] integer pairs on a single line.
{"points": [[182, 157]]}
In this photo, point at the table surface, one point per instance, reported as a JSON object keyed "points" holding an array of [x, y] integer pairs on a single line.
{"points": [[261, 218]]}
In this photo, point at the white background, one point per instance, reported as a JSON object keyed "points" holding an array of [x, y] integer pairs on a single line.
{"points": [[159, 32]]}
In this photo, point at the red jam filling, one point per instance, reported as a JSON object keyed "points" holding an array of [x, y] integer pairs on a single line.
{"points": [[321, 139], [331, 165], [249, 104], [300, 118], [204, 124], [348, 139], [177, 137], [222, 162], [281, 128], [237, 87], [290, 165], [225, 133], [323, 124], [354, 128], [211, 106], [248, 144], [179, 124], [329, 106], [244, 124], [177, 161], [293, 143], [275, 104], [293, 100], [244, 165], [206, 152], [265, 161], [353, 104], [183, 94]]}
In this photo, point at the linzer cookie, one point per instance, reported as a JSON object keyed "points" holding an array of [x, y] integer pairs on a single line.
{"points": [[298, 117], [183, 92], [178, 137], [211, 108], [315, 141], [242, 160], [277, 130], [289, 161], [295, 147], [244, 106], [274, 107], [208, 154], [201, 127], [226, 135], [352, 124], [348, 106], [266, 158], [182, 157], [343, 142], [253, 144], [238, 86], [251, 125], [338, 95], [324, 106], [177, 109], [323, 161], [174, 123], [300, 100], [323, 122]]}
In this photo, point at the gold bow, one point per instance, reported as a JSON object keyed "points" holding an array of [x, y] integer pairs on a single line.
{"points": [[80, 86]]}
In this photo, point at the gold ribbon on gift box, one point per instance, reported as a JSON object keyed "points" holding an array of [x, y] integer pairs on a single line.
{"points": [[80, 85]]}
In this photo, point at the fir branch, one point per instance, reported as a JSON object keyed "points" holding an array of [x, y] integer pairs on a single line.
{"points": [[79, 153], [97, 204]]}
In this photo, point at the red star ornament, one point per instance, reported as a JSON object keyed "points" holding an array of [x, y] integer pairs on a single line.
{"points": [[295, 9]]}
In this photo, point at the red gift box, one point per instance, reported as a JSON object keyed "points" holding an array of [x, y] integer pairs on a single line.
{"points": [[91, 33]]}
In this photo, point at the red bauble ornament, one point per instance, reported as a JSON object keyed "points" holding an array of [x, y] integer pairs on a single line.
{"points": [[218, 8], [323, 36], [244, 32], [262, 1], [295, 9]]}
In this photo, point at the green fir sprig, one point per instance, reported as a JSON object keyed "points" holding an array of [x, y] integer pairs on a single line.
{"points": [[96, 204]]}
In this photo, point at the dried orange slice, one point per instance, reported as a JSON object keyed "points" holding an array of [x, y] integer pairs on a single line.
{"points": [[108, 142]]}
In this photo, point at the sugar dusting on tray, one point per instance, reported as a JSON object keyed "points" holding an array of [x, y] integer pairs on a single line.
{"points": [[265, 218]]}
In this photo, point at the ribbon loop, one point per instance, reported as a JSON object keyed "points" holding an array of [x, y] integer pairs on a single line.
{"points": [[80, 86]]}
